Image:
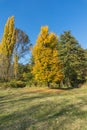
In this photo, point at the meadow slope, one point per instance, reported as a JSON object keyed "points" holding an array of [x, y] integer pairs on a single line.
{"points": [[43, 109]]}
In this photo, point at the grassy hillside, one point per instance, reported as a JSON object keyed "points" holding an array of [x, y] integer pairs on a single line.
{"points": [[43, 109]]}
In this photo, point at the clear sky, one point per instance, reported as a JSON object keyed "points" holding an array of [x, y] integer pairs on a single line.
{"points": [[59, 15]]}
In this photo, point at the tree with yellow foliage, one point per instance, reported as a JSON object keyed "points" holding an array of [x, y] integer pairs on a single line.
{"points": [[47, 66], [16, 66], [7, 46]]}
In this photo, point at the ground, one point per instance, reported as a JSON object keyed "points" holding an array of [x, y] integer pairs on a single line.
{"points": [[43, 109]]}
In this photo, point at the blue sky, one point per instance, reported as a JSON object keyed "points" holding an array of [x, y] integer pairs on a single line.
{"points": [[59, 15]]}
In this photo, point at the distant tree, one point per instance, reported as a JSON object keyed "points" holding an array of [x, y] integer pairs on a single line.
{"points": [[22, 43], [73, 58], [25, 72], [47, 67]]}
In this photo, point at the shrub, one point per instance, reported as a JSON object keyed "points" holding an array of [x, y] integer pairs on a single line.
{"points": [[17, 84], [21, 84], [13, 84]]}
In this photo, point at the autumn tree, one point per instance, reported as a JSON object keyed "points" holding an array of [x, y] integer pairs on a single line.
{"points": [[47, 67], [73, 59], [16, 66], [7, 47]]}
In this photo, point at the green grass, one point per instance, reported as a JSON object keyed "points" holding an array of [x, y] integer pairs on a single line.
{"points": [[43, 109]]}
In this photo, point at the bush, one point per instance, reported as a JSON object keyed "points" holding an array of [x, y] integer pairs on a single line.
{"points": [[21, 84], [13, 84], [31, 83], [17, 84], [54, 86]]}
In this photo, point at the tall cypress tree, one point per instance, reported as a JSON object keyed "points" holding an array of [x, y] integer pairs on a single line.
{"points": [[7, 46]]}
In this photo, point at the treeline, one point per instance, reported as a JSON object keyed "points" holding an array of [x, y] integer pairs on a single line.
{"points": [[54, 61]]}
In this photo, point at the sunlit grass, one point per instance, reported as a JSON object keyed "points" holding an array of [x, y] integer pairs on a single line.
{"points": [[43, 109]]}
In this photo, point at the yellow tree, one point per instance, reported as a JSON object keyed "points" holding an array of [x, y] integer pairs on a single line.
{"points": [[47, 67], [7, 46], [16, 66]]}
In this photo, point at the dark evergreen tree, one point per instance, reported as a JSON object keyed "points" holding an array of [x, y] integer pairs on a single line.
{"points": [[73, 58]]}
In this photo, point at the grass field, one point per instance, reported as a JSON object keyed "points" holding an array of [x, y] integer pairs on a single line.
{"points": [[43, 109]]}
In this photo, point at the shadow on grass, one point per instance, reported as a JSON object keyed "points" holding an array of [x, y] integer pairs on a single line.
{"points": [[41, 112], [25, 97]]}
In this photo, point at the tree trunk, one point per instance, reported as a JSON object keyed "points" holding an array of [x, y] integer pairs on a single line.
{"points": [[48, 84], [61, 84], [68, 82]]}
